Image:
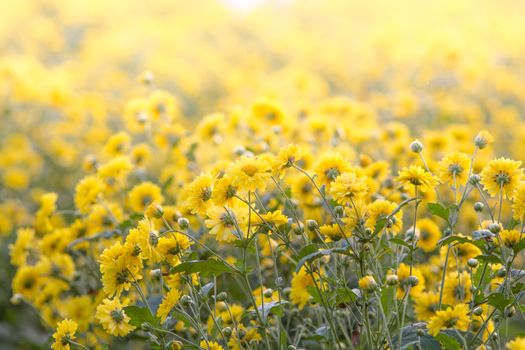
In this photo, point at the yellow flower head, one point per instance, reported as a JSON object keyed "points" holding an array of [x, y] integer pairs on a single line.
{"points": [[143, 195], [113, 318], [349, 187], [516, 344], [168, 303], [329, 167], [368, 284], [417, 176], [454, 169], [456, 318], [199, 194], [64, 334], [250, 173], [428, 233], [501, 174]]}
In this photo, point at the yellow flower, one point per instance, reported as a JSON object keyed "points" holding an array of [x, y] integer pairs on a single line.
{"points": [[518, 202], [224, 192], [349, 188], [43, 215], [199, 194], [510, 237], [501, 174], [64, 334], [456, 318], [172, 246], [332, 232], [286, 158], [250, 173], [146, 238], [300, 281], [367, 284], [87, 193], [143, 195], [428, 235], [210, 345], [117, 145], [225, 223], [113, 318], [403, 273], [329, 167], [417, 176], [168, 303], [23, 247], [119, 267], [380, 209], [426, 305], [27, 281], [483, 138], [454, 168], [457, 288], [250, 336], [516, 344]]}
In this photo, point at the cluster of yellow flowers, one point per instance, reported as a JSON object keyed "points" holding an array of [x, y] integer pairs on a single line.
{"points": [[250, 196]]}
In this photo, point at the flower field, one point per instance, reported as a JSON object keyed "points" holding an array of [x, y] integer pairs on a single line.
{"points": [[247, 175]]}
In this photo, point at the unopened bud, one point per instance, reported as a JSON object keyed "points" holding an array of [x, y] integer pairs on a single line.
{"points": [[183, 223], [222, 296], [416, 146], [392, 280], [478, 311], [472, 263], [413, 281], [312, 225], [495, 228], [478, 206]]}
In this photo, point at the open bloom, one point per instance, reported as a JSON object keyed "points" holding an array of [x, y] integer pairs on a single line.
{"points": [[456, 317], [65, 332], [113, 318], [417, 176], [501, 174]]}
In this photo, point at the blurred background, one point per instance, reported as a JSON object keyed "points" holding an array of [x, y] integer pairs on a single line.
{"points": [[69, 73]]}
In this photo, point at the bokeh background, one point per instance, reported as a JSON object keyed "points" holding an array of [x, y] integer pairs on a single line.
{"points": [[70, 72]]}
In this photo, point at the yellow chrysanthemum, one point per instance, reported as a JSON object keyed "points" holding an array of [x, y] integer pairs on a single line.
{"points": [[168, 303], [349, 188], [64, 334], [143, 195], [418, 177], [199, 194], [113, 318], [456, 317], [454, 168], [428, 233], [503, 175]]}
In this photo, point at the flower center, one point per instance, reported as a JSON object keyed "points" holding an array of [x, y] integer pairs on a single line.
{"points": [[502, 179], [332, 173], [117, 315]]}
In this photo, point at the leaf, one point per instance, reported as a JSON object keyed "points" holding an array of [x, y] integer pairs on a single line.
{"points": [[271, 307], [400, 242], [498, 300], [439, 210], [491, 259], [380, 224], [318, 254], [411, 338], [204, 267], [482, 234], [307, 250], [448, 342], [205, 290], [460, 239], [140, 314], [519, 247]]}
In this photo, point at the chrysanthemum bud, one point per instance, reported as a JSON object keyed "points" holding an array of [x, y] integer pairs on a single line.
{"points": [[279, 282], [482, 139], [339, 211], [183, 223], [268, 293], [474, 179], [510, 311], [472, 263], [227, 331], [176, 345], [495, 228], [392, 280], [478, 311], [298, 229], [291, 347], [155, 210], [312, 225], [155, 273], [501, 273], [413, 281], [478, 206], [222, 296], [420, 332], [368, 284], [416, 146], [185, 300]]}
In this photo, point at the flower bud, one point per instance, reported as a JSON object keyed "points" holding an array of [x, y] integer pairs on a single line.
{"points": [[339, 211], [478, 311], [176, 345], [495, 228], [474, 179], [413, 281], [268, 293], [298, 229], [510, 311], [227, 331], [482, 139], [368, 284], [183, 223], [279, 282], [478, 207], [416, 146], [420, 332], [501, 273], [155, 210], [185, 300], [472, 263], [392, 280], [222, 296], [312, 225]]}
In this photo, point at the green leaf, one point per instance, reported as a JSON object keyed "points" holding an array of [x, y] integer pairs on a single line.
{"points": [[411, 338], [380, 224], [460, 239], [448, 342], [439, 210], [491, 259], [498, 300], [399, 241], [274, 307], [519, 247], [204, 267], [140, 314], [318, 254], [307, 250]]}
